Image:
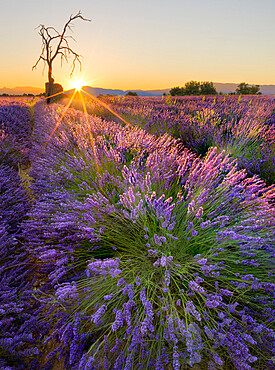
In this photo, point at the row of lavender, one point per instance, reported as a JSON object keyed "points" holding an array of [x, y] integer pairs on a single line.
{"points": [[15, 132], [147, 256], [242, 126], [17, 319]]}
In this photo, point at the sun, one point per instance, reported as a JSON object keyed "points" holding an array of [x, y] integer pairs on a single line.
{"points": [[77, 85]]}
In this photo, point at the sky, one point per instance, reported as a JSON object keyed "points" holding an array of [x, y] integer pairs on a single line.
{"points": [[143, 44]]}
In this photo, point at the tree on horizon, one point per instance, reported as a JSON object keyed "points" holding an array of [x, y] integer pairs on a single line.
{"points": [[244, 89], [56, 44], [194, 88]]}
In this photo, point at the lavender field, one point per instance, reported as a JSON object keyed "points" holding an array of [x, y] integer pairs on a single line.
{"points": [[242, 126], [147, 245]]}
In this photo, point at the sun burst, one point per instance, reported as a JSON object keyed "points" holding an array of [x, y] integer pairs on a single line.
{"points": [[77, 84]]}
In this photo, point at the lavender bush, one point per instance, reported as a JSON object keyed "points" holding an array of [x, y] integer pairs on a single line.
{"points": [[160, 302], [66, 182]]}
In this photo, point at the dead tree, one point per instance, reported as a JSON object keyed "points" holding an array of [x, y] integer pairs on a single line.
{"points": [[56, 44]]}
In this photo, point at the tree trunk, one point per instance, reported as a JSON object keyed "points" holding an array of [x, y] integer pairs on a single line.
{"points": [[49, 85]]}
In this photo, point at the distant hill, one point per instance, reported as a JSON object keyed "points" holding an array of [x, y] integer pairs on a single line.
{"points": [[225, 88], [20, 90], [98, 90]]}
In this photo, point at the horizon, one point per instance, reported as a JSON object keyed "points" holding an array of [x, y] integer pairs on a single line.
{"points": [[134, 89], [145, 45]]}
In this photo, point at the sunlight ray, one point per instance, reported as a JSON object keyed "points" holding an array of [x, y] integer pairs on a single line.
{"points": [[89, 129], [107, 107], [60, 120], [51, 96]]}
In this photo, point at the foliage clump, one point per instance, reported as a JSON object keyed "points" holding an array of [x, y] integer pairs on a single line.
{"points": [[194, 88], [244, 89], [131, 93]]}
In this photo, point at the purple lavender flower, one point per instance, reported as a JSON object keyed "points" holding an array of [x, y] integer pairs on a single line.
{"points": [[152, 252], [108, 297], [138, 280], [118, 320], [98, 314], [66, 290], [213, 301], [190, 308], [167, 277], [193, 285], [176, 363]]}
